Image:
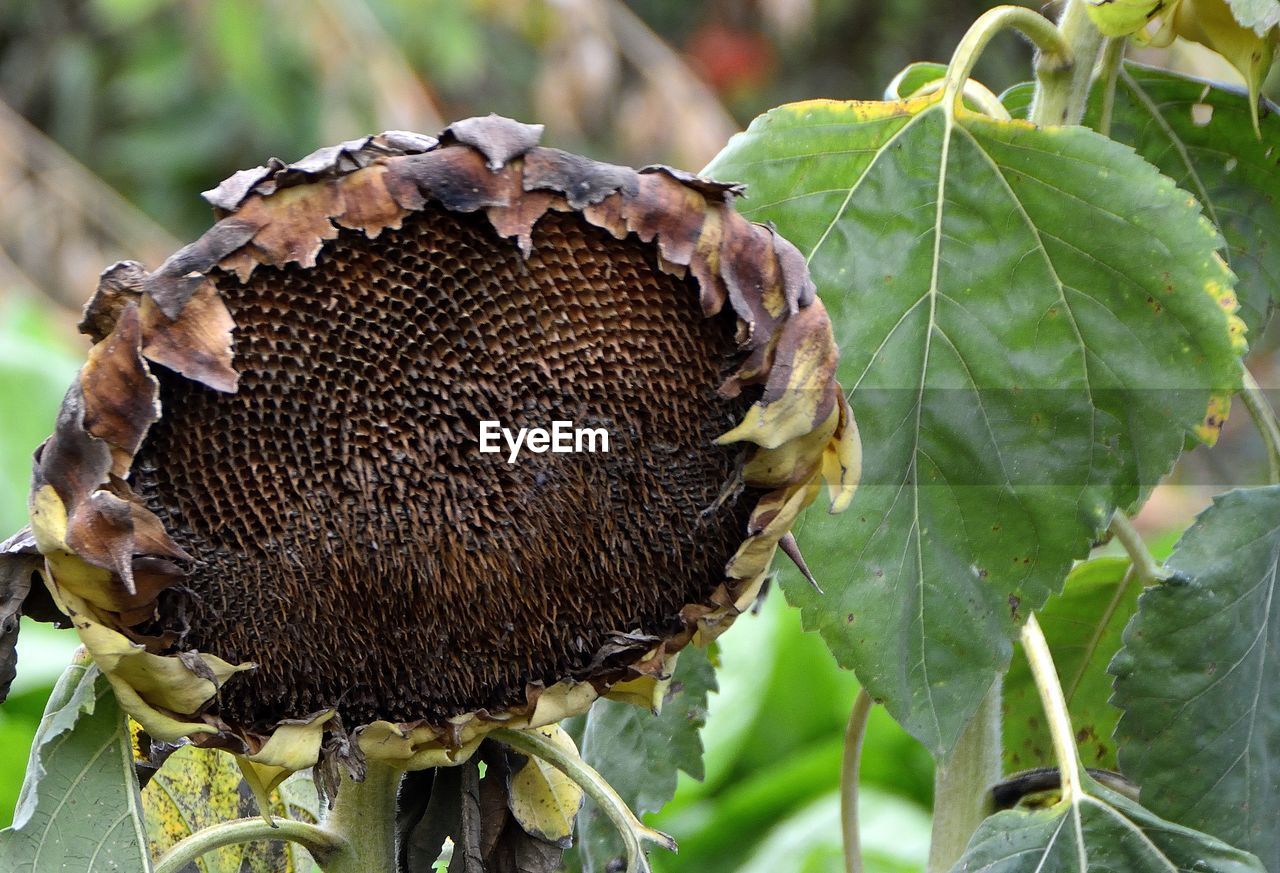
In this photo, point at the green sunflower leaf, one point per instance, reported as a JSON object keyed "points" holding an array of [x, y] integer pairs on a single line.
{"points": [[1197, 678], [79, 809], [1099, 832], [1083, 625], [641, 754], [1031, 324], [1200, 134]]}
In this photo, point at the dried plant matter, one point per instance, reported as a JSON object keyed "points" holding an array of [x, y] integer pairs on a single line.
{"points": [[264, 507]]}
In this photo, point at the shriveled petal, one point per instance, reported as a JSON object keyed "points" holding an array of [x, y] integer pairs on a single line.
{"points": [[293, 746]]}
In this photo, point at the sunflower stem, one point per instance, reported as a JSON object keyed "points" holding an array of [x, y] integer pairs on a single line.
{"points": [[1055, 708], [1062, 91], [1054, 52], [364, 818], [1112, 61], [1149, 570], [961, 783], [854, 735], [1264, 418], [322, 844], [633, 832]]}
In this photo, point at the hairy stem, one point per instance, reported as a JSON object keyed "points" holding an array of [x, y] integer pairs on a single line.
{"points": [[961, 782], [633, 832], [1041, 31], [854, 734], [364, 817], [1112, 59], [1149, 570], [1264, 418], [322, 844], [1055, 708], [1062, 92]]}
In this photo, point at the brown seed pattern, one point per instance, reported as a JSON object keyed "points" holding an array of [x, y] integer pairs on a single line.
{"points": [[350, 537]]}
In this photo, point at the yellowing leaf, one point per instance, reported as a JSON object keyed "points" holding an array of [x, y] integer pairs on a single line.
{"points": [[196, 788], [1124, 17], [544, 800]]}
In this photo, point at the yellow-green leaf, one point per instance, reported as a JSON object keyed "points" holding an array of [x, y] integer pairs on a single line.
{"points": [[196, 788], [543, 799], [1124, 17]]}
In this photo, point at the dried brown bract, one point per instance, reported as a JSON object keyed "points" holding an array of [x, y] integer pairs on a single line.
{"points": [[264, 507]]}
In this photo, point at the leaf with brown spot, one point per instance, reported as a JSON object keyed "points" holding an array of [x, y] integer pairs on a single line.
{"points": [[1083, 625], [196, 788]]}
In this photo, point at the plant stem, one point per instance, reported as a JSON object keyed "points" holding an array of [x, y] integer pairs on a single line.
{"points": [[1149, 570], [322, 844], [974, 92], [364, 817], [1063, 92], [630, 828], [1112, 59], [1055, 708], [1053, 49], [854, 734], [1264, 418], [961, 782]]}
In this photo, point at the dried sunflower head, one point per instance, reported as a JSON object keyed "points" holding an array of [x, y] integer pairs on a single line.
{"points": [[265, 508]]}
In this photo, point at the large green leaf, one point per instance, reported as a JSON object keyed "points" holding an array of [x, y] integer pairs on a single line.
{"points": [[1200, 134], [1083, 625], [1031, 324], [79, 809], [1100, 832], [1199, 678], [641, 754]]}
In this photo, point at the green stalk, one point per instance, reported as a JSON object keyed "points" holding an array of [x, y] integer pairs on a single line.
{"points": [[961, 782], [854, 734], [1112, 61], [1053, 57], [322, 844], [364, 818], [1062, 93], [1055, 708], [1264, 418], [1148, 569]]}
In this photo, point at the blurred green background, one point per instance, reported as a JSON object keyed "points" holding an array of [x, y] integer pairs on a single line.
{"points": [[115, 114]]}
